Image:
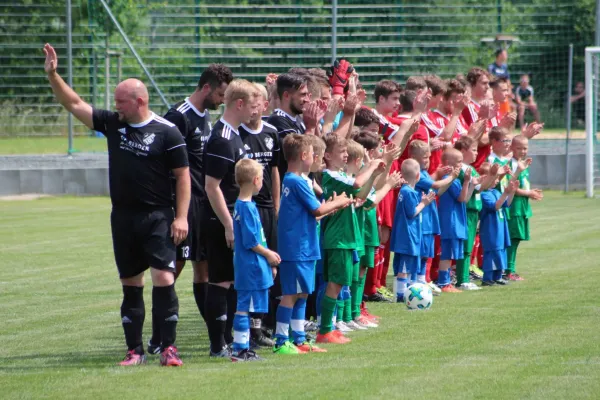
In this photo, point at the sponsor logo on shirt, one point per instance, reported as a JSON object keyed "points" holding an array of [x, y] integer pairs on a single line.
{"points": [[149, 138]]}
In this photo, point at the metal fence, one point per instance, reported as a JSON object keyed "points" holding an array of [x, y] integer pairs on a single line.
{"points": [[177, 39]]}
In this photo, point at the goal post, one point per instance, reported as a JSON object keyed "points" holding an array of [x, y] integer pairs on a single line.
{"points": [[592, 70]]}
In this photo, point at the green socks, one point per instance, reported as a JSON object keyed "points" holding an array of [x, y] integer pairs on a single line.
{"points": [[357, 288], [511, 255], [462, 269], [327, 310]]}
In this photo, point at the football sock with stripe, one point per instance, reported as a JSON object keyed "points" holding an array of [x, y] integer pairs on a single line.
{"points": [[283, 316], [133, 313], [241, 333], [297, 321], [165, 305]]}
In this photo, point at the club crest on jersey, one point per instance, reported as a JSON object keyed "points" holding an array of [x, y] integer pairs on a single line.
{"points": [[123, 130], [269, 143], [148, 138], [197, 130]]}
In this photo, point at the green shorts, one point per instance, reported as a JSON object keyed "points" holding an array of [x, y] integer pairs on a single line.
{"points": [[472, 220], [368, 260], [338, 266], [518, 227]]}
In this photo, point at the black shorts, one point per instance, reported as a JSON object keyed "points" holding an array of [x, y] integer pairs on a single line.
{"points": [[269, 224], [192, 248], [142, 239], [218, 255]]}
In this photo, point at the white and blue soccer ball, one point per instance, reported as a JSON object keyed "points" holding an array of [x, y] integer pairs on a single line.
{"points": [[418, 297]]}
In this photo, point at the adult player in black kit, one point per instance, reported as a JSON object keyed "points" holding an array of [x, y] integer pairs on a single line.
{"points": [[143, 150], [223, 149], [193, 121], [261, 143], [293, 95]]}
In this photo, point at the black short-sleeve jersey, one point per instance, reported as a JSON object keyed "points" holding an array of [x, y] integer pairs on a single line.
{"points": [[223, 150], [140, 159], [262, 145], [195, 128], [285, 124]]}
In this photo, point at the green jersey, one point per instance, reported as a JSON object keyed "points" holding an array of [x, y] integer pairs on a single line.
{"points": [[474, 202], [520, 205], [502, 161], [342, 230], [369, 230]]}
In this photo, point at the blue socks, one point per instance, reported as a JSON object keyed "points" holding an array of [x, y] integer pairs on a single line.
{"points": [[400, 287], [443, 278], [297, 323], [283, 318], [497, 274], [241, 333]]}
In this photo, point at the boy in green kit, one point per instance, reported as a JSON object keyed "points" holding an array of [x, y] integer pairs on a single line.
{"points": [[500, 141], [341, 232], [520, 210]]}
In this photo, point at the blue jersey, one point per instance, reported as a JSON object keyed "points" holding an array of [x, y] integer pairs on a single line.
{"points": [[501, 71], [452, 213], [251, 270], [493, 226], [297, 234], [406, 229], [431, 222]]}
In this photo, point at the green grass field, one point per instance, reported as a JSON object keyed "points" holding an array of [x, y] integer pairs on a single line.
{"points": [[59, 144], [61, 334]]}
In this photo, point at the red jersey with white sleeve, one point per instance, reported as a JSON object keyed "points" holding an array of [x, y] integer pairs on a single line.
{"points": [[435, 121], [471, 112], [387, 126], [483, 152], [420, 134]]}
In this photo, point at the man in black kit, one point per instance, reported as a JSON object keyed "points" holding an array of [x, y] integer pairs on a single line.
{"points": [[143, 150], [223, 150], [261, 143], [293, 96], [193, 121]]}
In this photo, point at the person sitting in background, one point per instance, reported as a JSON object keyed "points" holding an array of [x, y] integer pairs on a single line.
{"points": [[525, 101]]}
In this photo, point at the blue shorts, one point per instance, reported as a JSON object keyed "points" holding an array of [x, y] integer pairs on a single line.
{"points": [[256, 301], [494, 260], [427, 246], [297, 277], [452, 249], [405, 264]]}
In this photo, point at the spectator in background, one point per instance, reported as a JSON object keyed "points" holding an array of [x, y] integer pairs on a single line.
{"points": [[578, 104], [499, 67], [525, 101]]}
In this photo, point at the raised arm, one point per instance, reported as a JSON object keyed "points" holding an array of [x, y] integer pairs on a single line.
{"points": [[66, 96]]}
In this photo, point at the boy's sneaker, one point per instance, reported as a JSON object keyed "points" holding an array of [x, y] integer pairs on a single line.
{"points": [[153, 348], [435, 289], [364, 321], [514, 277], [365, 313], [399, 298], [331, 337], [501, 282], [262, 341], [286, 348], [469, 286], [170, 358], [450, 289], [384, 291], [356, 326], [308, 347], [224, 353], [343, 337], [245, 355], [475, 271], [310, 326], [378, 298], [343, 327], [488, 283], [133, 358]]}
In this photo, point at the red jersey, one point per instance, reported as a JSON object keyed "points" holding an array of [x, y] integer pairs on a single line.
{"points": [[387, 206], [471, 112], [484, 152], [435, 121], [420, 134], [387, 127]]}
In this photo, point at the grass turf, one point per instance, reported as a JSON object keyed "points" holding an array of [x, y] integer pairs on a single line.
{"points": [[61, 333], [59, 144]]}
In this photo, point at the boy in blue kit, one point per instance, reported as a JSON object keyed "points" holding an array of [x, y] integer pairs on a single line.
{"points": [[420, 152], [251, 259], [298, 244], [405, 240], [493, 227], [453, 218]]}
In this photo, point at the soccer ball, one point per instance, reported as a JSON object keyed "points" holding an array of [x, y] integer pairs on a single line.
{"points": [[418, 297]]}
